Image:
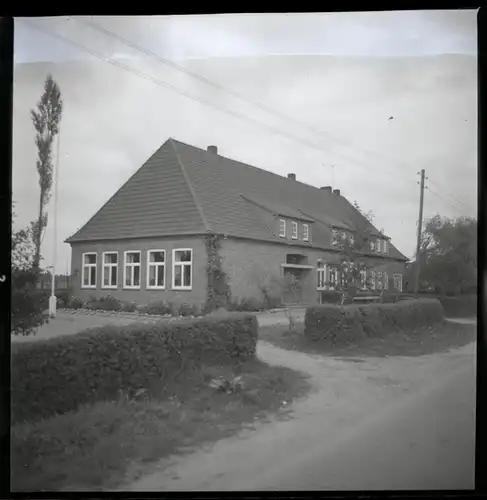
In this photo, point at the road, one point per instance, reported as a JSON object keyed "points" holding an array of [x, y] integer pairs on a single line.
{"points": [[394, 423]]}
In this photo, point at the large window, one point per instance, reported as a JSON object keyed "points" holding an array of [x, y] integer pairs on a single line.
{"points": [[333, 277], [321, 275], [110, 269], [372, 279], [132, 269], [282, 228], [363, 279], [182, 269], [335, 234], [305, 232], [89, 270], [385, 279], [294, 230], [156, 269], [398, 282]]}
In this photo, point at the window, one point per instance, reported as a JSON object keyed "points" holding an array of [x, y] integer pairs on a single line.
{"points": [[386, 281], [377, 245], [398, 282], [380, 280], [305, 232], [110, 269], [351, 240], [294, 230], [383, 247], [333, 277], [156, 269], [372, 245], [321, 271], [334, 236], [182, 264], [89, 270], [282, 228], [372, 279], [132, 269], [363, 279]]}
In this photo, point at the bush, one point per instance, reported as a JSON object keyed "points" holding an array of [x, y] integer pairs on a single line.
{"points": [[330, 297], [337, 325], [75, 303], [247, 304], [107, 303], [460, 306], [158, 308], [129, 307], [60, 374]]}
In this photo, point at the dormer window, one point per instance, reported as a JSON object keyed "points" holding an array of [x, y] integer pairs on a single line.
{"points": [[334, 236], [294, 230], [282, 228], [383, 246], [305, 232]]}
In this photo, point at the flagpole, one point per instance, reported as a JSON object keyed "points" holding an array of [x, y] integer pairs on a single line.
{"points": [[52, 300]]}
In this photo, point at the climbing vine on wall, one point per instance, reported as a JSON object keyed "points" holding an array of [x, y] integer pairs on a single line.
{"points": [[218, 292]]}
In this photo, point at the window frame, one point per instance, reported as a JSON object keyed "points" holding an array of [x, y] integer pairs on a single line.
{"points": [[324, 271], [385, 278], [335, 236], [156, 265], [333, 271], [373, 277], [282, 228], [109, 266], [305, 232], [182, 264], [394, 276], [363, 283], [294, 230], [132, 265], [83, 265]]}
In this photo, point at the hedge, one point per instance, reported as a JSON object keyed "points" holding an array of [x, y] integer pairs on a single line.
{"points": [[60, 374], [460, 306], [341, 325]]}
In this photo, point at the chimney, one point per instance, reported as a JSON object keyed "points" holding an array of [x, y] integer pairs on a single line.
{"points": [[212, 149], [336, 191], [291, 176], [326, 188]]}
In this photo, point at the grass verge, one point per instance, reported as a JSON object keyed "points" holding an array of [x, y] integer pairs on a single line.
{"points": [[95, 447], [418, 343]]}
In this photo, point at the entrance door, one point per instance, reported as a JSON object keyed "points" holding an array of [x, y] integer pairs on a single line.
{"points": [[293, 294]]}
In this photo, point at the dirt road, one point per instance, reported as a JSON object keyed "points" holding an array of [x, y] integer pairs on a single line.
{"points": [[394, 423]]}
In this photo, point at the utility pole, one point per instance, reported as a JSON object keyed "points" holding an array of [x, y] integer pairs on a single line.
{"points": [[420, 230]]}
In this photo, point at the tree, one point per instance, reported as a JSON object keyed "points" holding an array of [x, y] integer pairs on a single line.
{"points": [[448, 254], [27, 304], [46, 120], [353, 247]]}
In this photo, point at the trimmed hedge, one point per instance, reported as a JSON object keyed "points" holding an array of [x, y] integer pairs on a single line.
{"points": [[341, 325], [60, 374], [461, 306]]}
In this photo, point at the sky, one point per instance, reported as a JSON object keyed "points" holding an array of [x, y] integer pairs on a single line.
{"points": [[311, 94]]}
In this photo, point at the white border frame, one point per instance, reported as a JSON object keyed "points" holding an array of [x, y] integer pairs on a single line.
{"points": [[109, 266], [322, 270], [156, 264], [394, 278], [83, 265], [182, 264], [306, 233], [131, 287]]}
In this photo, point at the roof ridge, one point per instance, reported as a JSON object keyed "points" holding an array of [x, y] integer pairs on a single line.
{"points": [[190, 186]]}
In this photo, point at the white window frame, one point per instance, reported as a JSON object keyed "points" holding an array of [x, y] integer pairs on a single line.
{"points": [[182, 264], [363, 279], [395, 276], [380, 280], [333, 271], [156, 265], [351, 239], [335, 236], [372, 245], [384, 246], [89, 266], [282, 228], [373, 279], [109, 265], [294, 230], [385, 278], [324, 278], [133, 265], [305, 232]]}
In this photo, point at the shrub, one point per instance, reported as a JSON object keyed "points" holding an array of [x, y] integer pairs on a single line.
{"points": [[59, 374], [129, 306], [338, 325], [158, 307], [460, 306], [330, 297], [187, 310], [75, 303], [108, 303], [28, 303], [248, 304]]}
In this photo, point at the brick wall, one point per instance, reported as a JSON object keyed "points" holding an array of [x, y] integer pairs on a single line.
{"points": [[248, 263], [197, 295]]}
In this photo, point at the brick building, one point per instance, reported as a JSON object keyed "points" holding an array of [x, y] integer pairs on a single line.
{"points": [[148, 241]]}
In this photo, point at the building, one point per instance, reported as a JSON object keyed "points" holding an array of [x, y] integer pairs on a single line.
{"points": [[147, 242]]}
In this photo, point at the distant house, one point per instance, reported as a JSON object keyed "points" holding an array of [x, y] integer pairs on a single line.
{"points": [[148, 241]]}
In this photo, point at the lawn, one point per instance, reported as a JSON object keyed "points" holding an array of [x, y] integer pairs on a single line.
{"points": [[101, 446], [418, 343]]}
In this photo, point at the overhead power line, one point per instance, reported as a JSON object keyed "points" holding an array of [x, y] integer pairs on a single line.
{"points": [[443, 200]]}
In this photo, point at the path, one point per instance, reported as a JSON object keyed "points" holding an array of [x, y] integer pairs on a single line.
{"points": [[394, 423]]}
